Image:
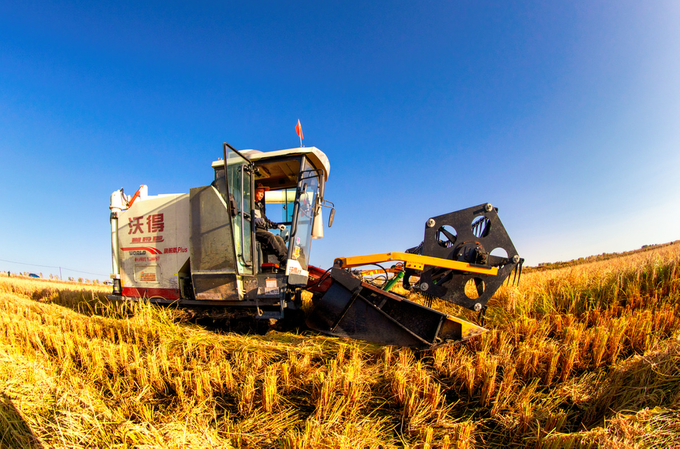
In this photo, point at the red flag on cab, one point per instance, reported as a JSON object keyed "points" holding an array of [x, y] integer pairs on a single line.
{"points": [[298, 129]]}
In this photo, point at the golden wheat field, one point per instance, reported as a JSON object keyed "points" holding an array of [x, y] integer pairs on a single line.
{"points": [[584, 356]]}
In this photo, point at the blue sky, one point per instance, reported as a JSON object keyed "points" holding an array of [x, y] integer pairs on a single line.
{"points": [[564, 115]]}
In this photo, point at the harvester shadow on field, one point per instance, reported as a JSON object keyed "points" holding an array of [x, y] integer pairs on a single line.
{"points": [[14, 432]]}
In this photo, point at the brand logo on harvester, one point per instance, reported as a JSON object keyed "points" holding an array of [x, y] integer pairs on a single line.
{"points": [[138, 253]]}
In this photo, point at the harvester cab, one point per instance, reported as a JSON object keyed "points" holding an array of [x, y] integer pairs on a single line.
{"points": [[200, 249], [294, 181]]}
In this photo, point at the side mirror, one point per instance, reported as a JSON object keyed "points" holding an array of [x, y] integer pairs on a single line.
{"points": [[331, 217]]}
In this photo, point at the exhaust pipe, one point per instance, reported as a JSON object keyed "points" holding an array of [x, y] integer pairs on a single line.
{"points": [[117, 205]]}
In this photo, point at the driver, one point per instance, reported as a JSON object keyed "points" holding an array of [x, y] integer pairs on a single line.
{"points": [[271, 243]]}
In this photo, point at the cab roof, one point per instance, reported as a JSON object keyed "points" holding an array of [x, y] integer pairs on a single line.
{"points": [[316, 157]]}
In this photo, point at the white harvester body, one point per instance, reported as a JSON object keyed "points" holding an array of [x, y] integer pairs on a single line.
{"points": [[153, 245]]}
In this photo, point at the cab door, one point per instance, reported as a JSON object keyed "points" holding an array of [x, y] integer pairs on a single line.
{"points": [[239, 181]]}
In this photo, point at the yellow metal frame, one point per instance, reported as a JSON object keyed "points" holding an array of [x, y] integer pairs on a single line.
{"points": [[413, 261], [382, 271]]}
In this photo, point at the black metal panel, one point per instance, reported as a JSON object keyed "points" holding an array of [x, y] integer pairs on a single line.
{"points": [[342, 314], [351, 308], [469, 235], [215, 286]]}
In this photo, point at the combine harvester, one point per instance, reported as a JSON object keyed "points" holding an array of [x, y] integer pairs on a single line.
{"points": [[199, 249]]}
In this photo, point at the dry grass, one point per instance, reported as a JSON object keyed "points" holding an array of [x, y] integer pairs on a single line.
{"points": [[587, 356]]}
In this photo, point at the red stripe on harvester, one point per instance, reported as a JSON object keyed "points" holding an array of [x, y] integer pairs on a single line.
{"points": [[146, 248], [138, 292]]}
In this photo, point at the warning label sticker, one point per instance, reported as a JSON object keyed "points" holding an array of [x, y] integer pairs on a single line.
{"points": [[147, 276]]}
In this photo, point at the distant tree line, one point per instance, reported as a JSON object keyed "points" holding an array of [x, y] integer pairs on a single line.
{"points": [[597, 258]]}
